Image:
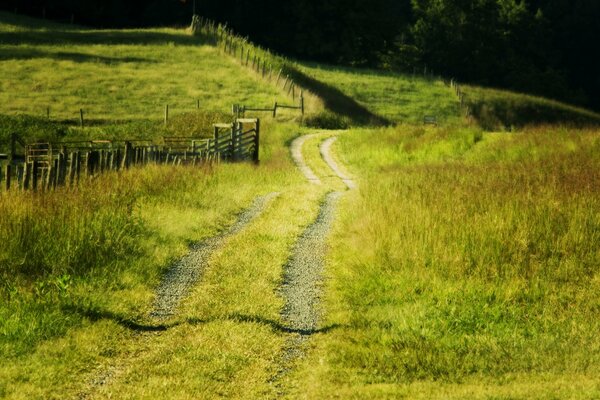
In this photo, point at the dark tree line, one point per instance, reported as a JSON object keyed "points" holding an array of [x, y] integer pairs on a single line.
{"points": [[546, 47]]}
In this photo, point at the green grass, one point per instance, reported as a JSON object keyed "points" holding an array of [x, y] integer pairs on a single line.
{"points": [[117, 75], [80, 266], [397, 98], [464, 267], [500, 109]]}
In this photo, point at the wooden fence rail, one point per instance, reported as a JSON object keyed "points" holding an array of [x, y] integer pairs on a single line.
{"points": [[240, 110], [45, 166]]}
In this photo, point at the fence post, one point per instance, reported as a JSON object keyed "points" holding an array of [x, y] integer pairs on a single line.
{"points": [[302, 101], [256, 141], [166, 115], [81, 117], [216, 139], [275, 110], [287, 77], [34, 177], [25, 182], [8, 176], [233, 138]]}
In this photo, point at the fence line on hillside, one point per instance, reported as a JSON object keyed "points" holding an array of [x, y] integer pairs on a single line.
{"points": [[461, 97], [267, 65], [45, 166]]}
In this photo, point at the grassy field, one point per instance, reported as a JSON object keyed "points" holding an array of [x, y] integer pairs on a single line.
{"points": [[464, 266], [500, 109], [397, 98], [78, 271], [119, 76]]}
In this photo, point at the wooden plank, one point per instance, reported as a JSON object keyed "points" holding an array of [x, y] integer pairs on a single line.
{"points": [[247, 120]]}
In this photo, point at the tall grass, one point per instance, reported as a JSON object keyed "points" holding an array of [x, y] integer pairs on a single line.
{"points": [[465, 259], [500, 109], [79, 248]]}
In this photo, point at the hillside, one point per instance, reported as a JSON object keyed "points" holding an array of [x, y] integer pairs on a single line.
{"points": [[390, 259]]}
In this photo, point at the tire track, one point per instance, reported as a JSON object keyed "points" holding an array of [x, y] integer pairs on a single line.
{"points": [[301, 288], [174, 287], [325, 150], [180, 278], [296, 150], [302, 278]]}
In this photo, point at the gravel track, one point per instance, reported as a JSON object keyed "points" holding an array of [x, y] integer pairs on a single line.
{"points": [[301, 287], [325, 149], [296, 150], [179, 279], [302, 274]]}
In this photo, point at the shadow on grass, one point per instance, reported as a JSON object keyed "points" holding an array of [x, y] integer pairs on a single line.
{"points": [[102, 37], [98, 315], [255, 319], [336, 101], [29, 54]]}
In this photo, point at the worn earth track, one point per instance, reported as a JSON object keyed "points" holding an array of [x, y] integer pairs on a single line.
{"points": [[302, 282], [175, 285], [182, 276], [296, 150], [325, 150]]}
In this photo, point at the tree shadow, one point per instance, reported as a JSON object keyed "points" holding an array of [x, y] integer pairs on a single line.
{"points": [[99, 37], [336, 101], [95, 315], [29, 54], [275, 325]]}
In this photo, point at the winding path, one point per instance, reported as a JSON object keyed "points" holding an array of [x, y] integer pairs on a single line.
{"points": [[325, 149], [296, 150], [179, 279]]}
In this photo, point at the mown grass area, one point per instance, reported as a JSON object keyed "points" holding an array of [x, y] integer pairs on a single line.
{"points": [[497, 109], [465, 266], [394, 97], [79, 267], [117, 75]]}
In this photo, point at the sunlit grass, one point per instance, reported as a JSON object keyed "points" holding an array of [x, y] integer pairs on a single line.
{"points": [[399, 98], [116, 75], [89, 265], [463, 258], [504, 110]]}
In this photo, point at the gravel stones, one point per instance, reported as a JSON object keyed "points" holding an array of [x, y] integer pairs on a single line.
{"points": [[179, 279], [302, 274]]}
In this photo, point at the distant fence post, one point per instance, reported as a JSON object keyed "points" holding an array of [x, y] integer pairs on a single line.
{"points": [[275, 110], [166, 115], [8, 176], [81, 117], [256, 141], [302, 102]]}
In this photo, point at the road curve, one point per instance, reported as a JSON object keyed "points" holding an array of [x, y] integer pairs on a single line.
{"points": [[326, 154], [296, 150]]}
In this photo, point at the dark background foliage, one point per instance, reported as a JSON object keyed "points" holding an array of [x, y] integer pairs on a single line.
{"points": [[545, 47]]}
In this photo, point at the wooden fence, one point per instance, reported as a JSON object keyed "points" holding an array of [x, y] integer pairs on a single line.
{"points": [[263, 62], [45, 166], [240, 110]]}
